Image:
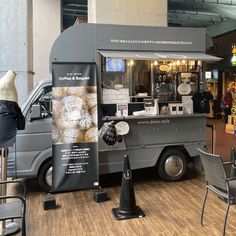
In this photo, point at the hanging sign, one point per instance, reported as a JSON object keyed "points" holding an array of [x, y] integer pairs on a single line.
{"points": [[74, 131], [184, 89], [122, 128], [164, 68]]}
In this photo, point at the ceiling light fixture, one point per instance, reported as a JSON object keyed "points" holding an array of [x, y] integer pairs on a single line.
{"points": [[233, 60]]}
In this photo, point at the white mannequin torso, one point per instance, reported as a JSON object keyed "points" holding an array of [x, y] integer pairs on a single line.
{"points": [[7, 87]]}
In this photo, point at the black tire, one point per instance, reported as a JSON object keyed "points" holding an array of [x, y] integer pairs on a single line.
{"points": [[172, 165], [43, 180]]}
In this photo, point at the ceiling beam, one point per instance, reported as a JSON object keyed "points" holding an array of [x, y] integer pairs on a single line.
{"points": [[228, 3], [75, 6], [221, 28], [81, 2], [203, 13], [74, 10], [226, 10], [69, 15], [195, 17]]}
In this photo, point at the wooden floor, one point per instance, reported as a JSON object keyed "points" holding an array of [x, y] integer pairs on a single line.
{"points": [[170, 208]]}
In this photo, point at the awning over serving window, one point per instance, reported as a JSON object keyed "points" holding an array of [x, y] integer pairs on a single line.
{"points": [[159, 55]]}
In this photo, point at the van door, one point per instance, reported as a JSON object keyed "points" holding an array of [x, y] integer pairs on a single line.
{"points": [[33, 145]]}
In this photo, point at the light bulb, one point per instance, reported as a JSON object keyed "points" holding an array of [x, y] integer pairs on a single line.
{"points": [[233, 60]]}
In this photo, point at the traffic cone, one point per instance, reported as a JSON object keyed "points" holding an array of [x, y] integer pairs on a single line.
{"points": [[127, 208], [233, 160]]}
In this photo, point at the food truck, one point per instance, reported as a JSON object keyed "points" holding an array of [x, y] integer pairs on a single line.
{"points": [[146, 77]]}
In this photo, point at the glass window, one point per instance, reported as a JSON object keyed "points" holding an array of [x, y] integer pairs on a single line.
{"points": [[146, 78], [141, 77], [45, 102], [46, 105], [165, 86]]}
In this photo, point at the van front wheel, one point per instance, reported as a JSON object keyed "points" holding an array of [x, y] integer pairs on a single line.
{"points": [[45, 176], [172, 165]]}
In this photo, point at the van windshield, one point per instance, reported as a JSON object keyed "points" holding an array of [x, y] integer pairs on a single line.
{"points": [[46, 89]]}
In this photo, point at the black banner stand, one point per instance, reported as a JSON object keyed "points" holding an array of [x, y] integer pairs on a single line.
{"points": [[127, 208]]}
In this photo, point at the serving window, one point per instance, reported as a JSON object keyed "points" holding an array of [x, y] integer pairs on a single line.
{"points": [[129, 80]]}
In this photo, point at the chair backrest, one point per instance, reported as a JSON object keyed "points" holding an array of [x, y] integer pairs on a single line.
{"points": [[213, 169]]}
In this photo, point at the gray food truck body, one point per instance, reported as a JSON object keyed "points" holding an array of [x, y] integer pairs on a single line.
{"points": [[172, 140], [167, 142]]}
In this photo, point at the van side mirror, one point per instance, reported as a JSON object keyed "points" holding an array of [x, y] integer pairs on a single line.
{"points": [[35, 112]]}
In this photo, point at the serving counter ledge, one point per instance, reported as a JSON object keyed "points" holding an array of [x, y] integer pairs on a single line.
{"points": [[110, 118]]}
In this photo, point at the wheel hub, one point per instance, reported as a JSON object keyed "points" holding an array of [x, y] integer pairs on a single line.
{"points": [[49, 177], [173, 165]]}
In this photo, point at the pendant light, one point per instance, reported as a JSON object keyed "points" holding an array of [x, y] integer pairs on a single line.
{"points": [[233, 60]]}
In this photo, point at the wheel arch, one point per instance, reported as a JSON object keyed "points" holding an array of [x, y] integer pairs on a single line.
{"points": [[43, 163], [174, 147], [41, 159]]}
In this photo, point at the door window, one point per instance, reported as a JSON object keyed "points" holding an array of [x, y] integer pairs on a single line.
{"points": [[44, 103]]}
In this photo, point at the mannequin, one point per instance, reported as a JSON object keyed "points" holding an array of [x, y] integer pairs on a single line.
{"points": [[7, 87], [11, 119]]}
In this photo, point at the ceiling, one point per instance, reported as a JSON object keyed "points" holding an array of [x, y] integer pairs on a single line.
{"points": [[218, 16], [71, 9]]}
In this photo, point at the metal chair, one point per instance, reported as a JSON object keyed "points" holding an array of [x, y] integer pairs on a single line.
{"points": [[14, 208], [218, 181]]}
